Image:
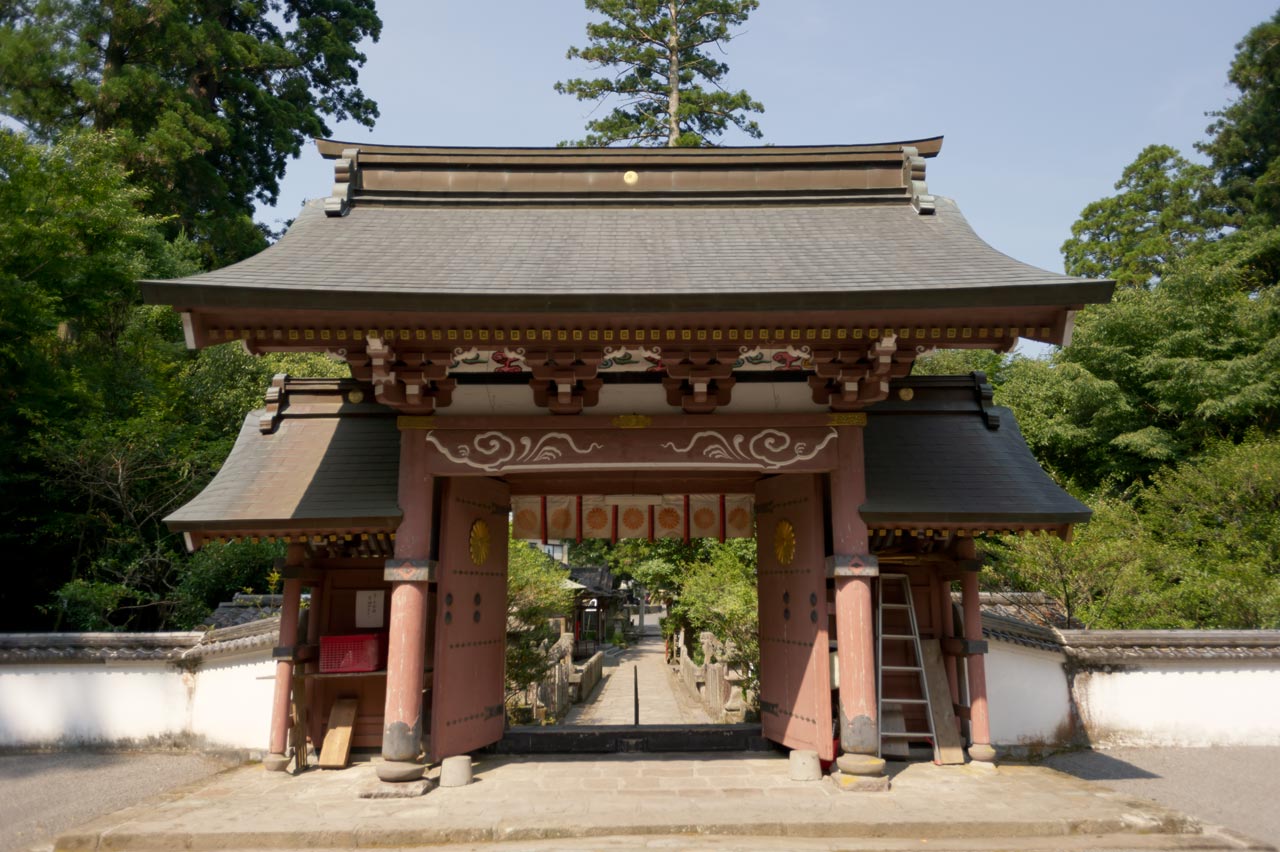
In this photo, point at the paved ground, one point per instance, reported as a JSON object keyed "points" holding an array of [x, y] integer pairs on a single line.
{"points": [[663, 699], [42, 795], [1235, 787], [653, 802]]}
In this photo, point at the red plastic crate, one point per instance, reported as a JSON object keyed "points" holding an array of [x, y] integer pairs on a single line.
{"points": [[359, 653]]}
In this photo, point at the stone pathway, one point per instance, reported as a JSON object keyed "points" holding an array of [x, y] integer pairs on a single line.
{"points": [[625, 801], [663, 699]]}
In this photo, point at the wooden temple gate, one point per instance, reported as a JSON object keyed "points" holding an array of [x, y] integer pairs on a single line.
{"points": [[511, 346]]}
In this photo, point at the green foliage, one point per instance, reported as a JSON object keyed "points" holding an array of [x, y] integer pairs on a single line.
{"points": [[536, 592], [719, 596], [1158, 375], [1244, 147], [107, 422], [1198, 548], [958, 362], [1166, 206], [208, 98], [662, 73]]}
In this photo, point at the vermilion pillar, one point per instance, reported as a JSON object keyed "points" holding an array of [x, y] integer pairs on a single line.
{"points": [[979, 722], [854, 567], [277, 759], [410, 574]]}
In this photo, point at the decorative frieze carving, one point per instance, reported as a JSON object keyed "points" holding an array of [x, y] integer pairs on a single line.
{"points": [[495, 451], [766, 449]]}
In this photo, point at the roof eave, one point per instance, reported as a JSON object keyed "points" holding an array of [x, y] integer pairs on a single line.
{"points": [[191, 294]]}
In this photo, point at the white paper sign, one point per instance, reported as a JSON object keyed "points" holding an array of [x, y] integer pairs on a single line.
{"points": [[369, 608]]}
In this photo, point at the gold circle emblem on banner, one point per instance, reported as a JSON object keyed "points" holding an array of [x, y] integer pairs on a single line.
{"points": [[479, 542], [784, 542]]}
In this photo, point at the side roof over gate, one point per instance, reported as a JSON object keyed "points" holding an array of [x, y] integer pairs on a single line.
{"points": [[322, 462]]}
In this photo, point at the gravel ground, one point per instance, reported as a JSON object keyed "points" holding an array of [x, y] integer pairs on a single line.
{"points": [[1235, 787], [44, 794]]}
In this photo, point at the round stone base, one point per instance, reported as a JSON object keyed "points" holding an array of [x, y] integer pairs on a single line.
{"points": [[397, 770], [276, 762], [805, 765], [863, 765], [982, 752]]}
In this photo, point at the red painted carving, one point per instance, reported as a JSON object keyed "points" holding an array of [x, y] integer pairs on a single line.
{"points": [[795, 677], [471, 617]]}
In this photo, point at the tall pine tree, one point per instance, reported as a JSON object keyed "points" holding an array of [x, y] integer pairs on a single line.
{"points": [[667, 84]]}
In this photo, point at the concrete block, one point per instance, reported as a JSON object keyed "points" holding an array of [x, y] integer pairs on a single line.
{"points": [[805, 765], [455, 771]]}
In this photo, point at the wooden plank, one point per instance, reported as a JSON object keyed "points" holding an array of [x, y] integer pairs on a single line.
{"points": [[893, 722], [948, 748], [336, 753]]}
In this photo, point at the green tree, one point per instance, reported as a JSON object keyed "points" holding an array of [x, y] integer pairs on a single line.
{"points": [[660, 69], [208, 98], [958, 362], [719, 596], [1245, 139], [536, 592], [1165, 207], [1157, 376]]}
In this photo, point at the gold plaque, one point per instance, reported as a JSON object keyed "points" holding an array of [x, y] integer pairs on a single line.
{"points": [[355, 396], [784, 542], [856, 418], [478, 546], [906, 394], [632, 421]]}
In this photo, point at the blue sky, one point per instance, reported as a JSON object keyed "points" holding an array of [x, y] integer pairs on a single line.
{"points": [[1042, 104]]}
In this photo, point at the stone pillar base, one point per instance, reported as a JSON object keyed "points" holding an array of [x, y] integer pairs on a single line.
{"points": [[860, 783], [982, 753], [276, 762], [860, 765], [400, 770]]}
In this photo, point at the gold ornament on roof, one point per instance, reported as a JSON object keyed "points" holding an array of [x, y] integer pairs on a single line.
{"points": [[630, 178], [784, 542], [478, 545]]}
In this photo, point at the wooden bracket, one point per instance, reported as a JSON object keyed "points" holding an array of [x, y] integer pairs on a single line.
{"points": [[699, 381], [565, 381], [852, 379], [411, 381]]}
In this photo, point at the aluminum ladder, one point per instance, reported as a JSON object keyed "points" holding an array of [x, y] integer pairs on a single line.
{"points": [[912, 640]]}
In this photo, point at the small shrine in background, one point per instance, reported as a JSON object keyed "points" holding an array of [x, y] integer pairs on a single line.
{"points": [[618, 343]]}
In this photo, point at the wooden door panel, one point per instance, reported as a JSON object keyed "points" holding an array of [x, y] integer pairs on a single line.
{"points": [[795, 676], [471, 617]]}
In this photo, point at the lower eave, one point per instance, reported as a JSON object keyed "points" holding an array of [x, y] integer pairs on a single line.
{"points": [[194, 296]]}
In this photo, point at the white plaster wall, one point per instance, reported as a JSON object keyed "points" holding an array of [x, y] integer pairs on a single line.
{"points": [[232, 701], [1027, 696], [1219, 702], [71, 703]]}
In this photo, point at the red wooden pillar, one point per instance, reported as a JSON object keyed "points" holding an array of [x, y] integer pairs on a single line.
{"points": [[854, 567], [277, 759], [410, 575], [979, 722], [947, 629]]}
